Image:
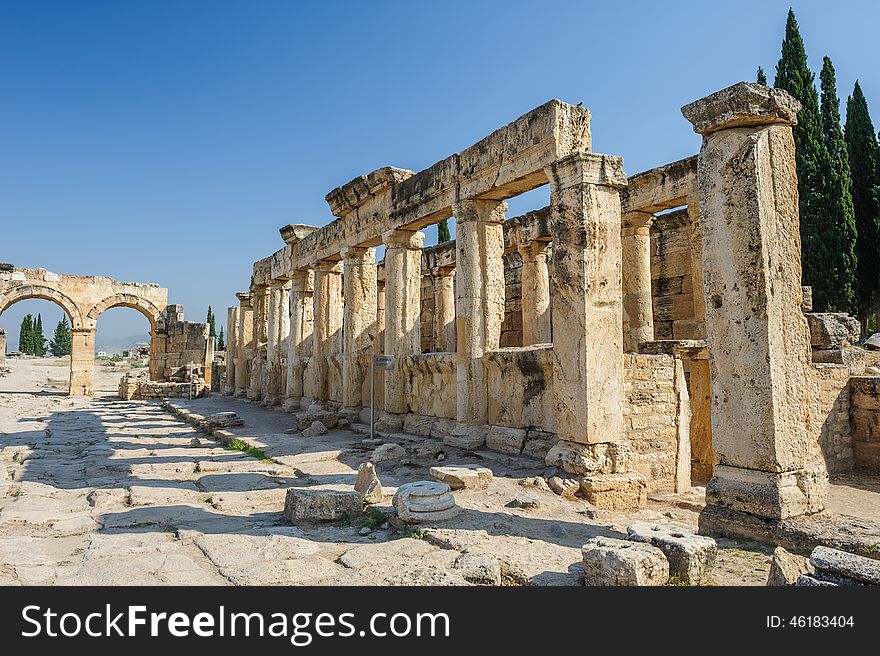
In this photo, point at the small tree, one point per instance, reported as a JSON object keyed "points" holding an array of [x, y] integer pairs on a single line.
{"points": [[762, 77], [443, 232], [25, 335], [39, 340], [212, 332], [62, 340], [221, 340]]}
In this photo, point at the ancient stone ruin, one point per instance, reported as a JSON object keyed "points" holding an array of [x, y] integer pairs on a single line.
{"points": [[639, 333]]}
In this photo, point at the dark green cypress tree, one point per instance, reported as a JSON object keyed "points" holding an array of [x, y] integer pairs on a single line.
{"points": [[25, 335], [39, 338], [762, 77], [61, 342], [864, 162], [210, 321], [793, 75], [840, 287], [443, 232], [221, 340]]}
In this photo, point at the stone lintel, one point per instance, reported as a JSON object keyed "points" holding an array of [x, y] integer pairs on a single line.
{"points": [[661, 188], [348, 197], [689, 349], [587, 168], [745, 104]]}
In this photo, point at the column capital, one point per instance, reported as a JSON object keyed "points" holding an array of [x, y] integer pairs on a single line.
{"points": [[358, 255], [244, 298], [412, 240], [745, 104], [302, 280], [586, 168], [486, 211], [637, 219], [443, 271], [532, 249], [328, 266]]}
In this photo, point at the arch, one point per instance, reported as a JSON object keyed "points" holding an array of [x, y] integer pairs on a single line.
{"points": [[24, 292], [142, 305]]}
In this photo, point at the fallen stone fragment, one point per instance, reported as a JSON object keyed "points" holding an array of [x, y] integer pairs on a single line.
{"points": [[223, 420], [195, 442], [616, 491], [388, 453], [841, 563], [368, 484], [317, 428], [608, 561], [524, 501], [480, 569], [458, 477], [809, 581], [691, 557], [424, 501], [308, 418], [564, 487], [311, 505], [786, 567], [832, 330]]}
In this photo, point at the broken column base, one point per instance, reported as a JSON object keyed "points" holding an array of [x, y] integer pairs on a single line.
{"points": [[271, 400], [768, 494], [627, 491], [797, 534]]}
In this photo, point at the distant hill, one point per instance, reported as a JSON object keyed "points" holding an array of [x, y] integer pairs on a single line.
{"points": [[119, 344]]}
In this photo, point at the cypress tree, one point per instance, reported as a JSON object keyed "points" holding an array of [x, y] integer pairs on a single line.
{"points": [[62, 340], [25, 335], [762, 77], [210, 322], [221, 340], [39, 338], [864, 162], [793, 75], [443, 232], [840, 286]]}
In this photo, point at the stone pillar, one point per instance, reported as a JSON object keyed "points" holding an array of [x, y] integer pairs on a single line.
{"points": [[693, 210], [260, 302], [301, 288], [444, 308], [245, 345], [278, 329], [638, 309], [82, 361], [359, 322], [2, 344], [535, 295], [403, 278], [479, 300], [326, 303], [769, 466], [232, 321]]}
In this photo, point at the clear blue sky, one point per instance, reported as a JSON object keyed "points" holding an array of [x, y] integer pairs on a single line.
{"points": [[168, 141]]}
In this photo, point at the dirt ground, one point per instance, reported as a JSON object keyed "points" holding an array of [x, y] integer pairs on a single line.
{"points": [[102, 491]]}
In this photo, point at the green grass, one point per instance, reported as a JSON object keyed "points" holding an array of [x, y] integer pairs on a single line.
{"points": [[373, 518], [14, 491], [870, 550], [244, 447]]}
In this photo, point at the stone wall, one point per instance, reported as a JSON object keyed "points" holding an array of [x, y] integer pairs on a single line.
{"points": [[177, 344], [141, 388], [431, 384], [519, 382], [830, 406], [865, 418], [671, 279]]}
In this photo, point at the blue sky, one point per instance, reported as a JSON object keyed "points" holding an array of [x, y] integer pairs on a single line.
{"points": [[168, 141]]}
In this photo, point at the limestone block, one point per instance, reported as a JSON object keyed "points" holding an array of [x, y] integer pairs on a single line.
{"points": [[368, 484], [506, 440], [443, 427], [467, 437], [311, 505], [841, 563], [873, 342], [691, 557], [832, 330], [223, 420], [326, 417], [317, 428], [608, 561], [388, 453], [616, 491], [785, 568], [480, 569], [387, 422], [589, 459], [458, 477], [424, 501], [564, 487], [810, 581], [418, 424]]}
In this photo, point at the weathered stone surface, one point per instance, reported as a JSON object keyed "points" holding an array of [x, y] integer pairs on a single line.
{"points": [[615, 491], [467, 437], [474, 477], [564, 487], [223, 420], [388, 453], [691, 557], [873, 342], [317, 505], [808, 581], [506, 440], [480, 569], [832, 330], [424, 501], [608, 561], [840, 563], [742, 105], [589, 459], [786, 567], [306, 419], [317, 428], [418, 424], [368, 484], [525, 501]]}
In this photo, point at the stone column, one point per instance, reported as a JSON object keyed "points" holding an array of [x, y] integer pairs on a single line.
{"points": [[585, 223], [232, 320], [260, 302], [359, 322], [403, 278], [82, 361], [693, 210], [638, 309], [479, 300], [535, 298], [278, 329], [301, 288], [759, 344], [244, 347], [444, 308], [379, 346], [326, 303]]}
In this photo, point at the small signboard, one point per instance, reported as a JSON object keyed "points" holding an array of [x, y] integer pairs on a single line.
{"points": [[384, 362]]}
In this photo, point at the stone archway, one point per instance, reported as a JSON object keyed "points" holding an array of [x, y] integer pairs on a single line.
{"points": [[24, 292]]}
